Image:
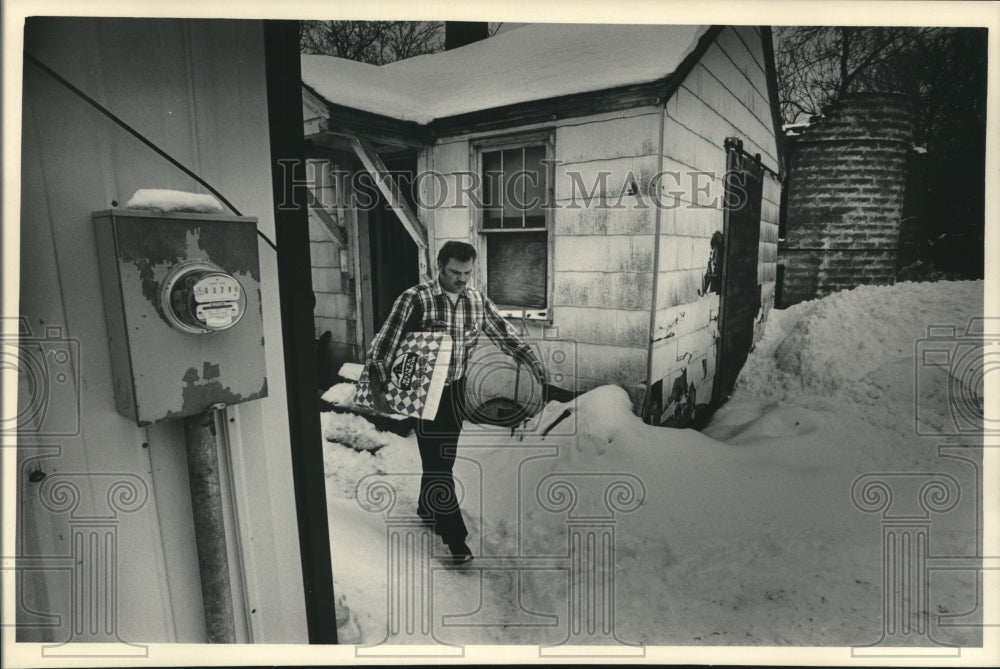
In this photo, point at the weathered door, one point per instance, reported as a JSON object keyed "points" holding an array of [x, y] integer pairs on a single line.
{"points": [[740, 299]]}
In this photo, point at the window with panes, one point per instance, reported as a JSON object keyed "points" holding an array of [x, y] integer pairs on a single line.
{"points": [[514, 223]]}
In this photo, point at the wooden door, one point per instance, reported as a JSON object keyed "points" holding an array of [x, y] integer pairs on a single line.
{"points": [[740, 297]]}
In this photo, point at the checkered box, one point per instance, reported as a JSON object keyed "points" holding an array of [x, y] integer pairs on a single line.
{"points": [[417, 375]]}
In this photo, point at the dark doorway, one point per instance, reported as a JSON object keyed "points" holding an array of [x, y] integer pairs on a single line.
{"points": [[392, 252], [740, 298]]}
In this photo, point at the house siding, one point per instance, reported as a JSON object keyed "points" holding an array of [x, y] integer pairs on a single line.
{"points": [[724, 95], [604, 243], [335, 310], [197, 89], [603, 257], [332, 264], [601, 250]]}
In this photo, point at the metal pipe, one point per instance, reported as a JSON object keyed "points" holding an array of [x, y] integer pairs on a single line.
{"points": [[209, 526]]}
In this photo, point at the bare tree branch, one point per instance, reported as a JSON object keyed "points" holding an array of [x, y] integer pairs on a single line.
{"points": [[375, 42]]}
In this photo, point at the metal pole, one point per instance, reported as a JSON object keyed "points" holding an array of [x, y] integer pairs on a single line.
{"points": [[209, 526]]}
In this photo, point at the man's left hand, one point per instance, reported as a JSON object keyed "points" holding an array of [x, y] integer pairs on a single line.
{"points": [[538, 370]]}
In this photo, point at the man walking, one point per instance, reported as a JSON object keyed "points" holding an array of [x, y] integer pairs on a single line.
{"points": [[445, 304]]}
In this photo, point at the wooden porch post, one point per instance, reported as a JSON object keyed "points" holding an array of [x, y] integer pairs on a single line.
{"points": [[373, 163]]}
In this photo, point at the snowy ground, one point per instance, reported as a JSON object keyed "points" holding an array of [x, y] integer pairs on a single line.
{"points": [[743, 534]]}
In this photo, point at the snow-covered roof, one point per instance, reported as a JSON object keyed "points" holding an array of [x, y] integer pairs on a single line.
{"points": [[795, 129], [534, 62]]}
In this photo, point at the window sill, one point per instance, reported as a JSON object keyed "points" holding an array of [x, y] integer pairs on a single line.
{"points": [[542, 315]]}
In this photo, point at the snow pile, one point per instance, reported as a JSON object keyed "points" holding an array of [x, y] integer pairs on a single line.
{"points": [[161, 199], [854, 352], [351, 371], [534, 62], [745, 534], [341, 394], [827, 346], [354, 431]]}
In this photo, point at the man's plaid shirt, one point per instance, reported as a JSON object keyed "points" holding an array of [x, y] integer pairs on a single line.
{"points": [[426, 308]]}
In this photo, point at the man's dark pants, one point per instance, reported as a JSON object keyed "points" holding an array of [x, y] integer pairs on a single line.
{"points": [[438, 441]]}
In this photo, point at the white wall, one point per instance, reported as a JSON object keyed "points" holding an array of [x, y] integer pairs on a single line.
{"points": [[725, 95], [197, 89], [601, 256], [604, 251]]}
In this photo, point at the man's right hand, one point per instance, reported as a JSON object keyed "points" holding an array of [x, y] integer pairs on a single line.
{"points": [[378, 395]]}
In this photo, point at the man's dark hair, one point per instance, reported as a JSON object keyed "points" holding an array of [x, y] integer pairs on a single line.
{"points": [[460, 251]]}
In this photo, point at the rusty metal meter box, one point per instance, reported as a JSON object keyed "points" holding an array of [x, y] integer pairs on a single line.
{"points": [[182, 302]]}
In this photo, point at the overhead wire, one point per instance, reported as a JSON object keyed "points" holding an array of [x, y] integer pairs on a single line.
{"points": [[142, 138]]}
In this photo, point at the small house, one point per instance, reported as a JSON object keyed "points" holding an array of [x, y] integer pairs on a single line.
{"points": [[621, 184]]}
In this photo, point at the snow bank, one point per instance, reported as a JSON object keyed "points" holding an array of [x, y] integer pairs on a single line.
{"points": [[354, 431], [161, 199], [853, 352], [341, 394], [351, 370], [746, 533], [826, 346]]}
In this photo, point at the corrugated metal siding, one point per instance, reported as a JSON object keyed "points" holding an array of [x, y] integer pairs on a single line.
{"points": [[197, 89]]}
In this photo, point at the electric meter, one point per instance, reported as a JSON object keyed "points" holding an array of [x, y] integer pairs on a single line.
{"points": [[199, 297], [182, 303]]}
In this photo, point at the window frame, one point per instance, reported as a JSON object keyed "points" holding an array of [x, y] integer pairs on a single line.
{"points": [[546, 139]]}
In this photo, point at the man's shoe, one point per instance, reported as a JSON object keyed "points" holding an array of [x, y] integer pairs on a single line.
{"points": [[461, 554]]}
